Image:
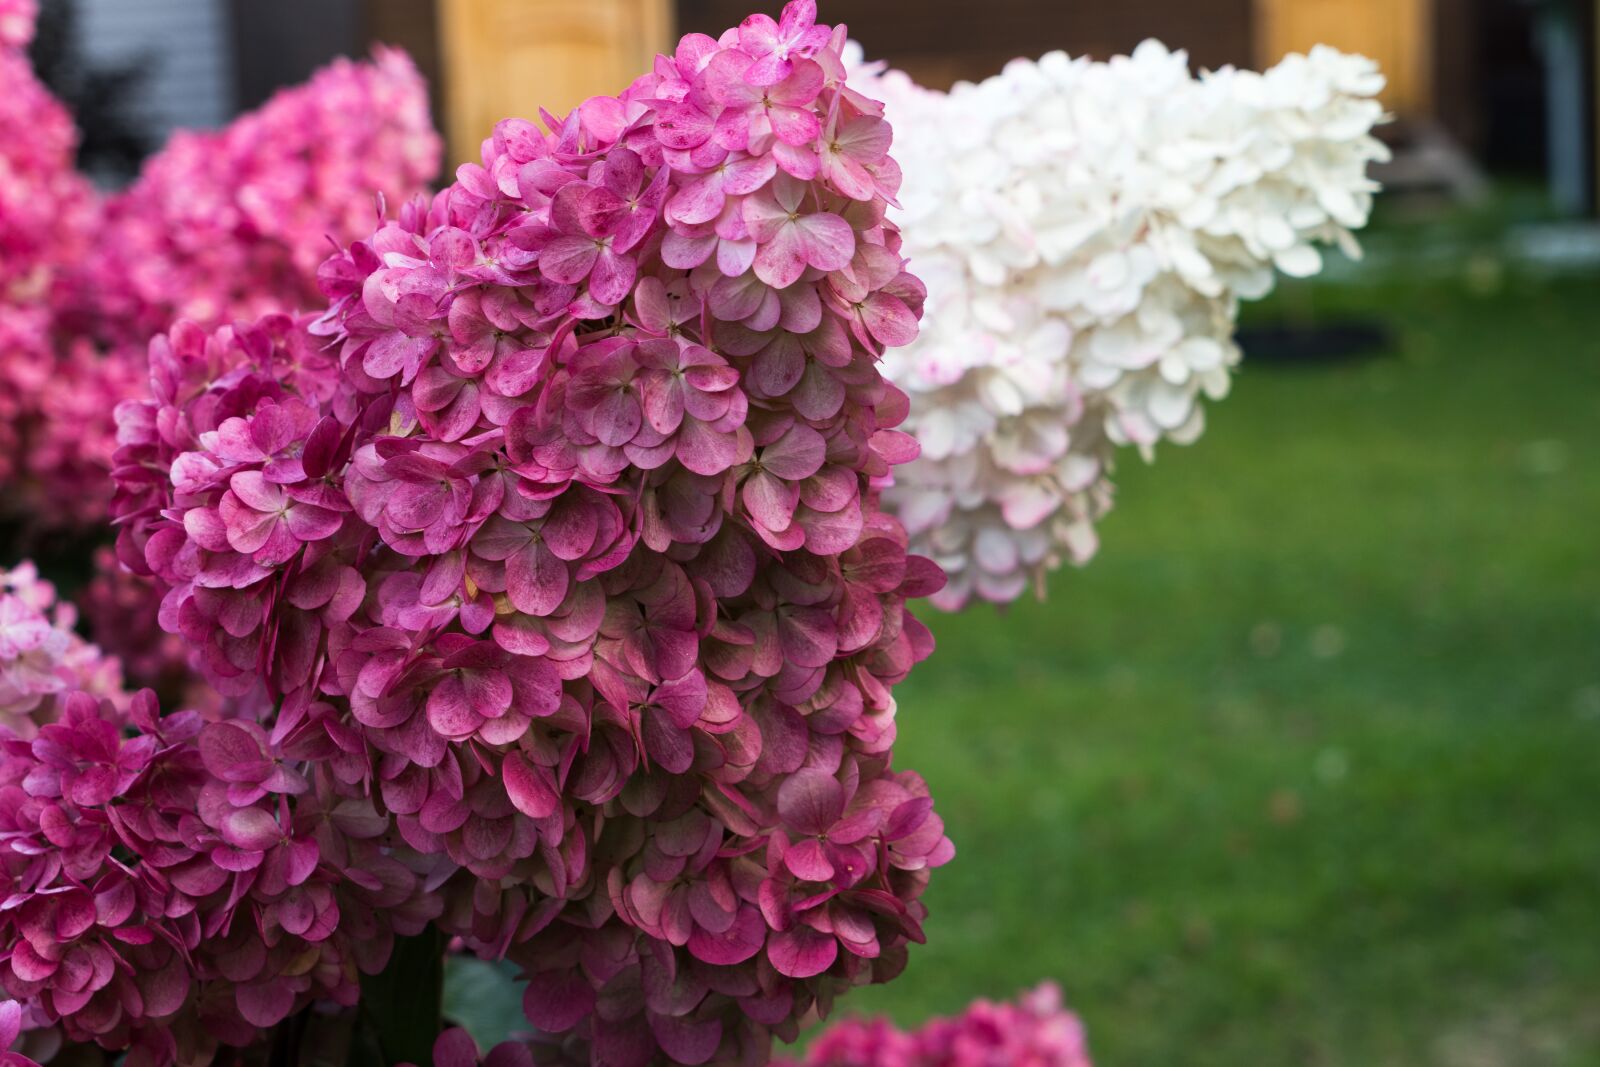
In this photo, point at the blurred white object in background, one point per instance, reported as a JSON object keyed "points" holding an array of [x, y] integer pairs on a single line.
{"points": [[1085, 231]]}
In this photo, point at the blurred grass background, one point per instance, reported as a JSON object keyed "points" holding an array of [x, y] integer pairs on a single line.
{"points": [[1304, 768]]}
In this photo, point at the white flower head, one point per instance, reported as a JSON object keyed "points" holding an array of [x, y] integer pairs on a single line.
{"points": [[1086, 231]]}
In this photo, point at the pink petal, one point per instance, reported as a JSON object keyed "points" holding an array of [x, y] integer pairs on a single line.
{"points": [[536, 580], [556, 1001], [568, 260], [888, 320], [807, 861], [455, 1048], [781, 259], [265, 1004], [829, 241], [687, 1041], [612, 277], [740, 941], [770, 500], [801, 952], [811, 801], [530, 788]]}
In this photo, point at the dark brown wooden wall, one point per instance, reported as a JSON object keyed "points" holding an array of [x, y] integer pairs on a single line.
{"points": [[941, 41]]}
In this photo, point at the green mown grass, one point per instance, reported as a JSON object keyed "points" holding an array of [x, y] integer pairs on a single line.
{"points": [[1305, 767]]}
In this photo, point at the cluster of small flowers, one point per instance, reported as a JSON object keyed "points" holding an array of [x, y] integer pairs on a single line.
{"points": [[220, 225], [121, 611], [232, 224], [1086, 231], [1035, 1031], [42, 659], [555, 541], [46, 216], [174, 884], [143, 857]]}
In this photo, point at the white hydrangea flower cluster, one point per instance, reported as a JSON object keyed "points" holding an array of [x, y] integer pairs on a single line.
{"points": [[1086, 231]]}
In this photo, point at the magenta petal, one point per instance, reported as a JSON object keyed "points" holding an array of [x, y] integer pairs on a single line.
{"points": [[251, 828], [811, 801], [801, 952], [530, 788], [794, 125], [888, 320], [568, 259], [796, 455], [669, 746], [781, 260], [10, 1022], [455, 1048], [682, 125], [253, 489], [612, 277], [807, 861], [536, 580], [704, 450], [687, 1041], [770, 500], [556, 1001], [739, 942], [311, 523], [828, 240], [450, 708], [265, 1003]]}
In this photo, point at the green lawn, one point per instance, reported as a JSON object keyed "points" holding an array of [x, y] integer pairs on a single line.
{"points": [[1305, 767]]}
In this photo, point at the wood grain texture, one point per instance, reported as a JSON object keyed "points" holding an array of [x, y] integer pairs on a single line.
{"points": [[1397, 33], [511, 57]]}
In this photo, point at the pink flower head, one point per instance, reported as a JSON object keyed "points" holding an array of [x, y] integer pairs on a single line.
{"points": [[552, 549], [1032, 1031], [42, 659], [219, 226]]}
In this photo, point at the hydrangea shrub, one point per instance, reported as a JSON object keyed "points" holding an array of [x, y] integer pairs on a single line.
{"points": [[545, 577], [1086, 231], [219, 225], [232, 224], [42, 658], [47, 215]]}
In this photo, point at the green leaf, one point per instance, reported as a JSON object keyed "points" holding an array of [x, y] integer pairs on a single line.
{"points": [[484, 997]]}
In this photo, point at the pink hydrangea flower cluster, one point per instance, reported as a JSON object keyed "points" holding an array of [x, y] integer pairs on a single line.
{"points": [[231, 224], [555, 543], [1034, 1031], [42, 659], [173, 884], [46, 215], [220, 225], [121, 611]]}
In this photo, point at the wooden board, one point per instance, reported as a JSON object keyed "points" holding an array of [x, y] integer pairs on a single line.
{"points": [[1397, 33], [505, 58]]}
